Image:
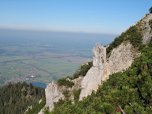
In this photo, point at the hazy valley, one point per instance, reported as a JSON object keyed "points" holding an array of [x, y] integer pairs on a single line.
{"points": [[44, 56]]}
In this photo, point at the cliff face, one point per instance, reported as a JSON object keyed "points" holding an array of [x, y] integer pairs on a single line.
{"points": [[146, 26], [121, 58], [95, 74], [53, 93]]}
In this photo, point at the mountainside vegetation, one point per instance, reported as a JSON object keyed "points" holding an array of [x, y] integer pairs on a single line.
{"points": [[128, 92], [133, 35], [67, 81], [150, 10], [15, 98], [82, 70]]}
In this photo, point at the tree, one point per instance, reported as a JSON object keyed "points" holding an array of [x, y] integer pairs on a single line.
{"points": [[150, 10]]}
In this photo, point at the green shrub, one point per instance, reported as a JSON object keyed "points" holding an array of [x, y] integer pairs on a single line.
{"points": [[108, 109], [46, 110], [150, 10], [37, 107], [83, 70], [133, 35], [150, 24], [66, 94], [65, 82], [76, 94]]}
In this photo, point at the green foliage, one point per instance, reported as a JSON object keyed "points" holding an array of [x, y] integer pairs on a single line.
{"points": [[150, 10], [65, 82], [46, 110], [36, 108], [83, 70], [131, 90], [15, 98], [108, 109], [66, 94], [76, 94], [133, 35]]}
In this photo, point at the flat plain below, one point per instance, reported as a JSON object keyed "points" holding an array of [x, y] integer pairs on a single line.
{"points": [[44, 56]]}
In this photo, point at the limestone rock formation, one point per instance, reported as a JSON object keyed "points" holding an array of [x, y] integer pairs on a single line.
{"points": [[121, 58], [146, 28], [94, 75], [77, 83], [53, 94]]}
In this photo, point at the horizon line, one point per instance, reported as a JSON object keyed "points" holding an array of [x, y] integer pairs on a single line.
{"points": [[61, 31]]}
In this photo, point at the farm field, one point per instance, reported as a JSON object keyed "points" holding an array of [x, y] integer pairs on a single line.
{"points": [[42, 67]]}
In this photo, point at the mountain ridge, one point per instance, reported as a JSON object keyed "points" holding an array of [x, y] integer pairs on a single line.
{"points": [[117, 57]]}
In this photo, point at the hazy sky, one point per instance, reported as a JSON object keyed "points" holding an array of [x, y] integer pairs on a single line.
{"points": [[97, 16]]}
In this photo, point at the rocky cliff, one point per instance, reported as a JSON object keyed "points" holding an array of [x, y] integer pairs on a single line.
{"points": [[119, 58], [145, 25], [55, 92], [94, 76]]}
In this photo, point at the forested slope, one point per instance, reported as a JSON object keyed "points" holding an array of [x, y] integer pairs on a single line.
{"points": [[16, 98]]}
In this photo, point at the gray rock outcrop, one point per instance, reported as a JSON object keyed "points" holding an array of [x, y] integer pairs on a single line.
{"points": [[93, 77], [121, 58], [146, 29], [53, 94]]}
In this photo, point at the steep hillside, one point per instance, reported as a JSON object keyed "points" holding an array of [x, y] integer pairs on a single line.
{"points": [[126, 92], [16, 98], [120, 69]]}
